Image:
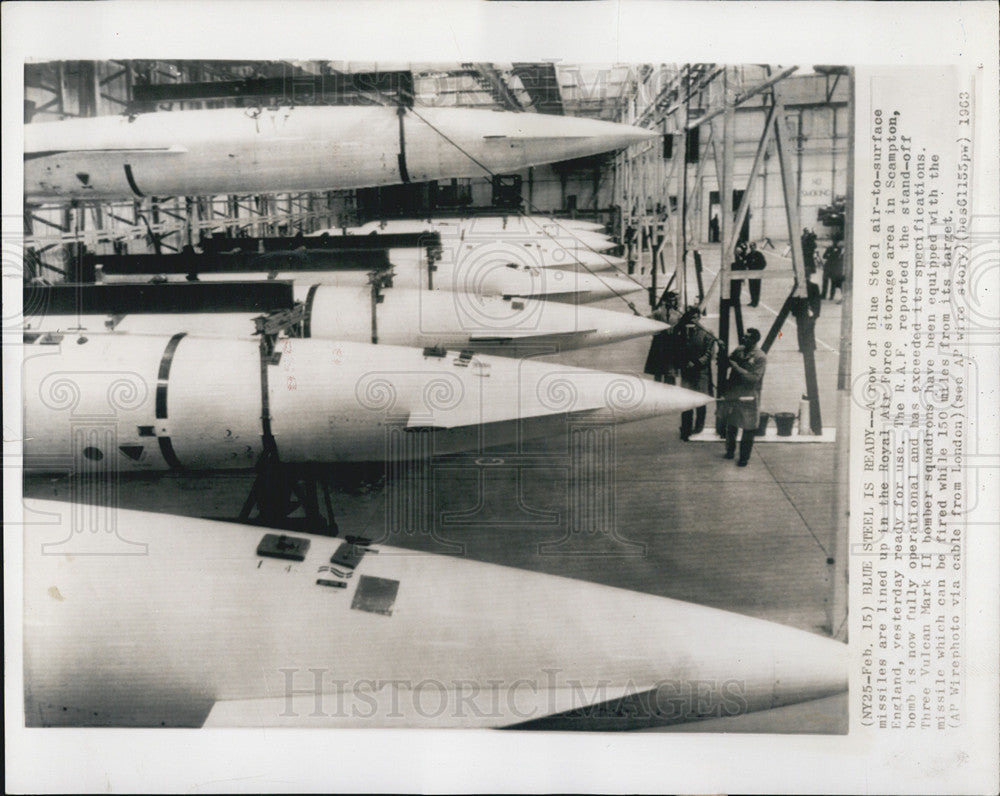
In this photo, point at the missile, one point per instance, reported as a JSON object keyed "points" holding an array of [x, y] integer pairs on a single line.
{"points": [[190, 622], [491, 272], [404, 317], [397, 225], [535, 252], [186, 402], [303, 148], [581, 245]]}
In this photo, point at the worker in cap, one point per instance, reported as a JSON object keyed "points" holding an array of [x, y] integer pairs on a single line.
{"points": [[695, 364], [741, 401]]}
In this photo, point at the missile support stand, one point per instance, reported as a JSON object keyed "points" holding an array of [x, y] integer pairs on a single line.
{"points": [[280, 488]]}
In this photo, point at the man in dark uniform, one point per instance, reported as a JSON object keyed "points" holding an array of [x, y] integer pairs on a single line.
{"points": [[695, 363], [808, 251], [833, 270], [628, 241], [739, 264], [661, 361], [741, 404], [755, 262]]}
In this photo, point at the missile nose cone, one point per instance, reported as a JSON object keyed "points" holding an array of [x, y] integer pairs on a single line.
{"points": [[636, 135], [664, 399], [619, 136], [642, 325], [545, 138], [626, 327], [754, 665], [817, 667], [620, 287], [613, 135]]}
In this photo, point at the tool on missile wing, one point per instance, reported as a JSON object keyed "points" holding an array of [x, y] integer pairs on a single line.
{"points": [[348, 555], [290, 548]]}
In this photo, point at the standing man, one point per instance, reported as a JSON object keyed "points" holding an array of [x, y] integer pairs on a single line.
{"points": [[661, 360], [809, 251], [742, 397], [739, 264], [713, 228], [696, 368], [755, 262], [833, 269], [629, 240]]}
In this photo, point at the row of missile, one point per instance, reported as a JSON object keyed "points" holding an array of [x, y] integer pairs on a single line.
{"points": [[188, 622], [332, 397], [501, 262], [492, 273]]}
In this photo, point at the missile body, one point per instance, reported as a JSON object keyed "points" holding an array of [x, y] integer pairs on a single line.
{"points": [[208, 403], [394, 225], [195, 628], [539, 242], [534, 252], [492, 274], [406, 317], [261, 150]]}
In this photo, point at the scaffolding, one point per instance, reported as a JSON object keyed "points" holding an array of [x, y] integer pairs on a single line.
{"points": [[696, 111]]}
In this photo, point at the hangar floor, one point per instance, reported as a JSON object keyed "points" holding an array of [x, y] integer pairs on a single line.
{"points": [[680, 521]]}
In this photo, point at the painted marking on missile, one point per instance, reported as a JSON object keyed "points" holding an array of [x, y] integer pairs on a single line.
{"points": [[163, 379], [131, 181], [134, 452], [375, 595], [401, 157], [307, 315], [169, 456], [94, 454]]}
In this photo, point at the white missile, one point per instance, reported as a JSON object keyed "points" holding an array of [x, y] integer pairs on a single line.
{"points": [[405, 317], [189, 622], [549, 243], [261, 150], [395, 225], [208, 403], [535, 252], [491, 272]]}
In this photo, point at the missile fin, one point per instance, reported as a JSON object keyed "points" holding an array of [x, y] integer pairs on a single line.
{"points": [[522, 334], [134, 452]]}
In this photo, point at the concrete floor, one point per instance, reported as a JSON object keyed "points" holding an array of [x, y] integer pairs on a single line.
{"points": [[682, 522]]}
